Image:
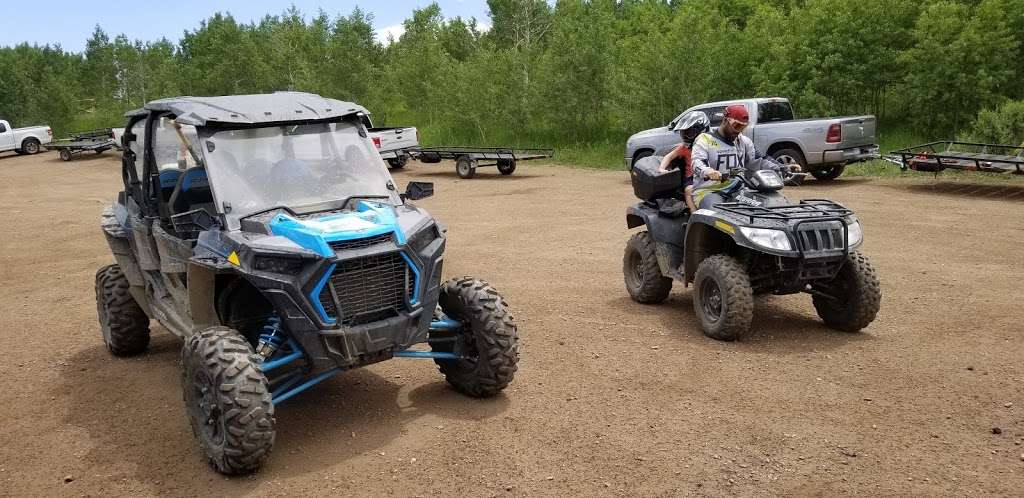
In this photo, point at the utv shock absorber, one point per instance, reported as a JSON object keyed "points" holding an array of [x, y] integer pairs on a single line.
{"points": [[271, 338]]}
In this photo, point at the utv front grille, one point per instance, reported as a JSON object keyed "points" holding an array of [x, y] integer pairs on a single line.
{"points": [[344, 245], [821, 237], [368, 289]]}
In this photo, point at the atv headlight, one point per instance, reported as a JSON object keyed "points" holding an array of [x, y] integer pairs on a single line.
{"points": [[853, 234], [767, 237]]}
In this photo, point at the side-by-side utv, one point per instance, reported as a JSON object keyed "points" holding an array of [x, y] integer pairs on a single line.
{"points": [[266, 231]]}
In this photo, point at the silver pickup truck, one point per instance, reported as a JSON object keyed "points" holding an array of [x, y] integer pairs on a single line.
{"points": [[393, 143], [822, 146], [27, 140]]}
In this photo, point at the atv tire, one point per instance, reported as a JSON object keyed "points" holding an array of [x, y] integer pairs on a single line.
{"points": [[488, 337], [124, 325], [858, 296], [828, 173], [641, 271], [228, 400], [722, 298]]}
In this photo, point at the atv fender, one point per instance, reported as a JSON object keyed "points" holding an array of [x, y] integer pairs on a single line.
{"points": [[667, 233], [709, 233]]}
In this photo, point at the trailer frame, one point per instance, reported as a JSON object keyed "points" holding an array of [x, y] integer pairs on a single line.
{"points": [[97, 141], [950, 154], [468, 159]]}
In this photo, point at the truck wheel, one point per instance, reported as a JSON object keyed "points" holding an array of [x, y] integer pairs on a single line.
{"points": [[506, 166], [488, 340], [124, 325], [644, 280], [790, 156], [65, 155], [30, 146], [227, 400], [398, 162], [640, 155], [722, 298], [465, 167], [828, 173], [857, 293]]}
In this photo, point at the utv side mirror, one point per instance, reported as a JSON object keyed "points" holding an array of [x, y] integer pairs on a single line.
{"points": [[418, 190]]}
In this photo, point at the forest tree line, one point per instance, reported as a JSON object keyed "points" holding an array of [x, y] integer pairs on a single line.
{"points": [[572, 72]]}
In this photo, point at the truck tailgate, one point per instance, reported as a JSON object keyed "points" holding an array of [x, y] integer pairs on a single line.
{"points": [[857, 130], [395, 138]]}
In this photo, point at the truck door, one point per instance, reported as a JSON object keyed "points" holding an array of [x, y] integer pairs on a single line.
{"points": [[6, 136]]}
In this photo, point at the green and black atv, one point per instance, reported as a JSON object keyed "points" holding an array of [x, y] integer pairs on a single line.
{"points": [[266, 231], [756, 242]]}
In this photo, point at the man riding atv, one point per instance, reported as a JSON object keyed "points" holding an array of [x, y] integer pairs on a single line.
{"points": [[689, 128], [716, 152]]}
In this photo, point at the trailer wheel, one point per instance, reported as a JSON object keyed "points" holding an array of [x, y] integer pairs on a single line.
{"points": [[398, 162], [465, 167], [30, 146], [65, 155], [506, 166]]}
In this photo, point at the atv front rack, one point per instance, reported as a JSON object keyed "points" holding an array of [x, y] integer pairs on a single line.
{"points": [[807, 209]]}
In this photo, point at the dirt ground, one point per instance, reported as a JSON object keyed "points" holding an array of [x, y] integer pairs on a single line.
{"points": [[612, 397]]}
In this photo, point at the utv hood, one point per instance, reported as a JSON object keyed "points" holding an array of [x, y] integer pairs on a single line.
{"points": [[316, 233]]}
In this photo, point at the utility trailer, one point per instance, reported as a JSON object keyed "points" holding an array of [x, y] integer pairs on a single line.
{"points": [[967, 156], [96, 141], [468, 159]]}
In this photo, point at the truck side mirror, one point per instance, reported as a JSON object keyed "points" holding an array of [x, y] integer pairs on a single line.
{"points": [[418, 190]]}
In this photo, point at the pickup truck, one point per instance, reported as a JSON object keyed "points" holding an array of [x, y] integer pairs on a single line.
{"points": [[392, 143], [822, 146], [27, 140]]}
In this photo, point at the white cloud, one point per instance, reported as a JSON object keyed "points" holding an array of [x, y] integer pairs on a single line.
{"points": [[394, 32]]}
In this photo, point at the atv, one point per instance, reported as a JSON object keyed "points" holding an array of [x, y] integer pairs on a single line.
{"points": [[755, 242], [266, 231]]}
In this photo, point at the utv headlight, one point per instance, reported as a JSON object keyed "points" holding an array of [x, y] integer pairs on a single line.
{"points": [[421, 239], [853, 234], [767, 237]]}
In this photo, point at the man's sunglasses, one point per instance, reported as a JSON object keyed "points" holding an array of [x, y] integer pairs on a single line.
{"points": [[736, 124]]}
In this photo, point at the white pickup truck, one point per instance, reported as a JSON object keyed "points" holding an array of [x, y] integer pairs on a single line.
{"points": [[27, 140], [822, 146], [393, 143]]}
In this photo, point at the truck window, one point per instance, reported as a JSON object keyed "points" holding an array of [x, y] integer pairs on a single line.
{"points": [[768, 112], [3, 128]]}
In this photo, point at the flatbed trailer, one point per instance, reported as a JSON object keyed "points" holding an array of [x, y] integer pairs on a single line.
{"points": [[967, 156], [96, 141], [468, 159]]}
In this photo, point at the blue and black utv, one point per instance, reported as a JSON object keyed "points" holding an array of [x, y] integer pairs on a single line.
{"points": [[266, 231]]}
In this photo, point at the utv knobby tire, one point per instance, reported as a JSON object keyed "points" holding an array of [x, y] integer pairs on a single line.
{"points": [[488, 336], [228, 400], [735, 301], [858, 293], [828, 173], [641, 271], [124, 325]]}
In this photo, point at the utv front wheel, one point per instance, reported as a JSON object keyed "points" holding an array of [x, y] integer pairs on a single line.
{"points": [[488, 340], [722, 298], [850, 301], [227, 400], [124, 325], [643, 277]]}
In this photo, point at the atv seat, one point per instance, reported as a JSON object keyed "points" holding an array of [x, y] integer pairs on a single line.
{"points": [[192, 192]]}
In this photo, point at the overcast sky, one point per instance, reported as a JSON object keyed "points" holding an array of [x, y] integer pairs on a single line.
{"points": [[70, 22]]}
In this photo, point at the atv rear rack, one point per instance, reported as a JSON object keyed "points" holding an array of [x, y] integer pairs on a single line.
{"points": [[807, 209], [967, 156]]}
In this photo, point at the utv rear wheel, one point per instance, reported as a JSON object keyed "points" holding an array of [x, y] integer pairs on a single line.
{"points": [[227, 399], [488, 339], [850, 301], [722, 298], [124, 325], [643, 277], [828, 173], [465, 167]]}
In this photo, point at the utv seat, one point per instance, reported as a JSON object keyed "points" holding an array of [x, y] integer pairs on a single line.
{"points": [[192, 192]]}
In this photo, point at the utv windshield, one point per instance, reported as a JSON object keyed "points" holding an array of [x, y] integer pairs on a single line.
{"points": [[307, 167]]}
